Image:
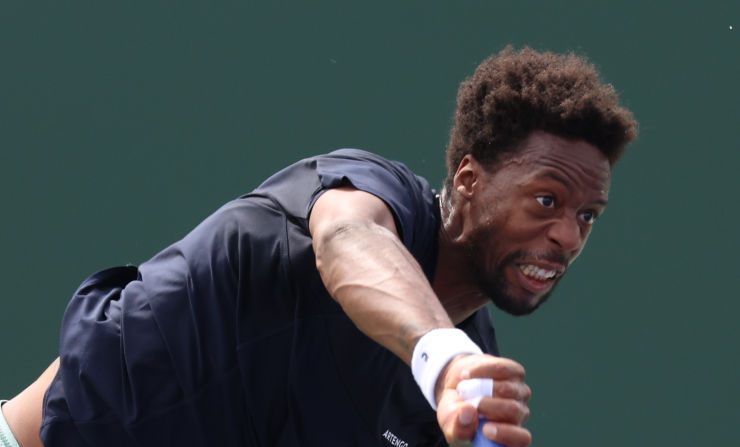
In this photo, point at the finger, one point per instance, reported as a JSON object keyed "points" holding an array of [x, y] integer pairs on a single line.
{"points": [[507, 435], [497, 368], [459, 421], [510, 389], [504, 410]]}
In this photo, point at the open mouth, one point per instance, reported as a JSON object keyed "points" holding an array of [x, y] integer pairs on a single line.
{"points": [[538, 278]]}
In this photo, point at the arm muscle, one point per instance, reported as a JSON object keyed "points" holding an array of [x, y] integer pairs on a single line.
{"points": [[367, 269]]}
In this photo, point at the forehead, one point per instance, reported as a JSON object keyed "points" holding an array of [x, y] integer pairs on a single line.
{"points": [[544, 156]]}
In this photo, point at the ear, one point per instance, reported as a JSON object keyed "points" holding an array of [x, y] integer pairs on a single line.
{"points": [[467, 176]]}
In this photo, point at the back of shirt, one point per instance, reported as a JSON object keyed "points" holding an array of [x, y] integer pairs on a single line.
{"points": [[228, 337]]}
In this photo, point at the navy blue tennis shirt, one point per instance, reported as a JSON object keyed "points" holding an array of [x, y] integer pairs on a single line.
{"points": [[229, 338]]}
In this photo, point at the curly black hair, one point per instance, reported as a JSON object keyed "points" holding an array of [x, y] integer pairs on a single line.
{"points": [[514, 93]]}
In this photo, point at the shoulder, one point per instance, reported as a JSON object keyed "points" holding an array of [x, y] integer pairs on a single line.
{"points": [[297, 186], [361, 163]]}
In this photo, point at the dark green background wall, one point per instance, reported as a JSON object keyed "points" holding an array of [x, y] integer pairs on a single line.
{"points": [[123, 125]]}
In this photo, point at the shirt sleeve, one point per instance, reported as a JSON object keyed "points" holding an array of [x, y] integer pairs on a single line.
{"points": [[412, 202], [408, 196]]}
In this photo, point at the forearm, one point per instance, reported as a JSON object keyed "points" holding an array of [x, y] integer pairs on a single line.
{"points": [[379, 285], [24, 412]]}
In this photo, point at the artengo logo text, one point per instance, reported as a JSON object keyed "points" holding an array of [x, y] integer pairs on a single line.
{"points": [[393, 439]]}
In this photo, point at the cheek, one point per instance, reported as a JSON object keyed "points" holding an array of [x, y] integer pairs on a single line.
{"points": [[521, 228], [503, 231], [497, 242]]}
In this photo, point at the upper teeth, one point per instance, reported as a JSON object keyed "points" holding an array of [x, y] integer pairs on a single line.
{"points": [[537, 272]]}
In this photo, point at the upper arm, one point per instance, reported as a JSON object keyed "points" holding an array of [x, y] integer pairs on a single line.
{"points": [[347, 205]]}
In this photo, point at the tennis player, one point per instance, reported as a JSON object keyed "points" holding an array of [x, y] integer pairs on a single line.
{"points": [[343, 300]]}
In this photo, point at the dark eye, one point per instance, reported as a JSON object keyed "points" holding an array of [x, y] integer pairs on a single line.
{"points": [[546, 201], [589, 217]]}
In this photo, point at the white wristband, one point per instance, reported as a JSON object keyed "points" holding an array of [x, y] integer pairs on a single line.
{"points": [[432, 353]]}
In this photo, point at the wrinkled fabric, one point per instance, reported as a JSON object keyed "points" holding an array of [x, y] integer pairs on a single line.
{"points": [[228, 337]]}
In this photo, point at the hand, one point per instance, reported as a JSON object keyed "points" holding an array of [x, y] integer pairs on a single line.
{"points": [[505, 412]]}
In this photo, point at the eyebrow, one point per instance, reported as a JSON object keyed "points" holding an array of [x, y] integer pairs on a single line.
{"points": [[565, 182], [557, 177]]}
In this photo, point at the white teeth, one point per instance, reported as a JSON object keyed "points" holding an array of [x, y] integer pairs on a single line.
{"points": [[536, 272]]}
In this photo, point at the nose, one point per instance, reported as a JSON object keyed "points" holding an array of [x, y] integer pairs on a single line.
{"points": [[567, 234]]}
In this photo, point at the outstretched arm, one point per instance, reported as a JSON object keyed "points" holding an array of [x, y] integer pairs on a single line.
{"points": [[384, 291], [24, 411]]}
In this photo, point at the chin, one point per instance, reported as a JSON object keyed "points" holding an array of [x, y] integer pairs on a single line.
{"points": [[514, 307], [517, 304], [504, 286]]}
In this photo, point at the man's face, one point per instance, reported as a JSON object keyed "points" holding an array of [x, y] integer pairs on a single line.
{"points": [[530, 216]]}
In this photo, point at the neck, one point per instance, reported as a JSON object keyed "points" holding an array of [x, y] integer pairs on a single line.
{"points": [[453, 282]]}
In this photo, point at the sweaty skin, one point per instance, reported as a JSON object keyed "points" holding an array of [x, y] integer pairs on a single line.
{"points": [[533, 209]]}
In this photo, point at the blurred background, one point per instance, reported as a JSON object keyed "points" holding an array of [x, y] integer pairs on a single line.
{"points": [[123, 124]]}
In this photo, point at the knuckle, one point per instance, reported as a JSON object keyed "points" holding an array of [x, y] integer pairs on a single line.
{"points": [[521, 412], [503, 388], [522, 369], [517, 412], [512, 411], [525, 417], [527, 393], [515, 367]]}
